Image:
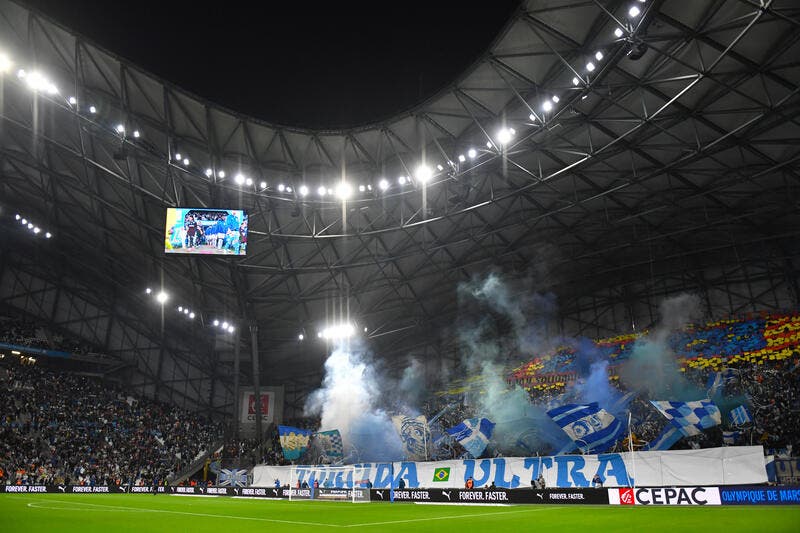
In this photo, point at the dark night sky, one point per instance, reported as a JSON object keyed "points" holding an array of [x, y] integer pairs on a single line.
{"points": [[316, 64]]}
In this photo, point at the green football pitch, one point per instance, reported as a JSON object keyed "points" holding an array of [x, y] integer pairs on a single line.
{"points": [[128, 512]]}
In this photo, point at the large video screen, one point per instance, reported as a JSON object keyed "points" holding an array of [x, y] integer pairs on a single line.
{"points": [[191, 230]]}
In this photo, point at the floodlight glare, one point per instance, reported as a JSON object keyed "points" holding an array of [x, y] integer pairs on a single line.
{"points": [[48, 235], [576, 81], [92, 109], [120, 128], [263, 185], [24, 221], [30, 225], [180, 309], [369, 187], [590, 66], [634, 11], [239, 179], [300, 337], [472, 153], [532, 117], [178, 156], [221, 174], [281, 187], [224, 325], [36, 230], [72, 100], [618, 33], [361, 188], [383, 184], [504, 136], [344, 190], [148, 290], [556, 99], [191, 315], [303, 190], [598, 55], [423, 173], [186, 161], [461, 158], [162, 297], [136, 134], [288, 189], [52, 89], [185, 311], [231, 329], [216, 322], [209, 172], [248, 182], [17, 217], [5, 63], [338, 331], [440, 167], [330, 191], [321, 190], [401, 180]]}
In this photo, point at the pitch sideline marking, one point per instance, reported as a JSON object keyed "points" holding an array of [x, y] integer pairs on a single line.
{"points": [[145, 510]]}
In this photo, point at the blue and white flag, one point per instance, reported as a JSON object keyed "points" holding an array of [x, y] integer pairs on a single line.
{"points": [[415, 434], [593, 429], [691, 418], [233, 478], [473, 434], [330, 443], [669, 436], [294, 441], [717, 380], [730, 437], [741, 416]]}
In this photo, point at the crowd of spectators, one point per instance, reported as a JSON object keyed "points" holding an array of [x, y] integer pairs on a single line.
{"points": [[60, 427], [25, 333]]}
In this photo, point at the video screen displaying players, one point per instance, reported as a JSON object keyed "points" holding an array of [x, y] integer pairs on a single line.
{"points": [[191, 230]]}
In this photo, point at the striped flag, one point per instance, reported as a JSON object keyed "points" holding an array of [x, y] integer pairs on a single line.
{"points": [[741, 416], [591, 428], [691, 418]]}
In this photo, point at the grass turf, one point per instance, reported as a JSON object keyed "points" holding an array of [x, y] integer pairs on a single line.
{"points": [[133, 512]]}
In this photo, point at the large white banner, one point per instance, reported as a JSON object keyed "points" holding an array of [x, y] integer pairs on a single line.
{"points": [[731, 465]]}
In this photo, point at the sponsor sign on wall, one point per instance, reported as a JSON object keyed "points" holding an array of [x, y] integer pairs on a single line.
{"points": [[760, 495], [664, 496]]}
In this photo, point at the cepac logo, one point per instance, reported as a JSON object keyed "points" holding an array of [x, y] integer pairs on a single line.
{"points": [[626, 497]]}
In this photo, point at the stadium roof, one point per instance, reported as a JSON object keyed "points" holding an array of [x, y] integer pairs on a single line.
{"points": [[605, 155]]}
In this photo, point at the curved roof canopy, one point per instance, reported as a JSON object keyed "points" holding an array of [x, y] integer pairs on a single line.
{"points": [[590, 149]]}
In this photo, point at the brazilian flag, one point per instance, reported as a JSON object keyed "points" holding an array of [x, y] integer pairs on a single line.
{"points": [[441, 474]]}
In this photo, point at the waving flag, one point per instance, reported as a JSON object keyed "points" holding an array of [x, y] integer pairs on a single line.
{"points": [[231, 477], [415, 434], [473, 434], [669, 436], [730, 437], [741, 416], [691, 418], [592, 428], [294, 441], [717, 380], [330, 442]]}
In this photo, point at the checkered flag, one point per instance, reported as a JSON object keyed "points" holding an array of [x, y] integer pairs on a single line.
{"points": [[691, 418]]}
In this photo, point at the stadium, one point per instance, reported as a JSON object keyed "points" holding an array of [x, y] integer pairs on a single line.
{"points": [[559, 290]]}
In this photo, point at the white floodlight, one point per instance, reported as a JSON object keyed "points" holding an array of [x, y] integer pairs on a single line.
{"points": [[136, 134], [36, 230], [547, 106], [24, 221], [231, 329], [338, 331], [186, 161], [383, 184], [321, 190], [634, 11], [21, 73], [281, 187], [300, 337], [618, 33], [120, 128], [209, 172], [216, 322], [30, 225], [263, 185], [598, 55], [401, 180], [92, 109], [556, 99], [504, 136], [72, 100], [180, 309], [186, 311], [162, 297], [48, 235], [361, 188], [5, 63], [461, 158], [248, 182], [344, 190], [369, 187], [17, 217], [440, 168], [224, 325], [192, 315], [178, 156], [239, 179], [590, 66], [472, 153], [148, 290], [288, 189], [303, 190], [221, 174], [423, 173], [576, 81]]}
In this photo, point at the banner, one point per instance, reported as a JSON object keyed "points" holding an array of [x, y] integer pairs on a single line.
{"points": [[330, 444], [593, 429], [760, 495], [414, 434], [739, 465], [267, 406], [294, 441]]}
